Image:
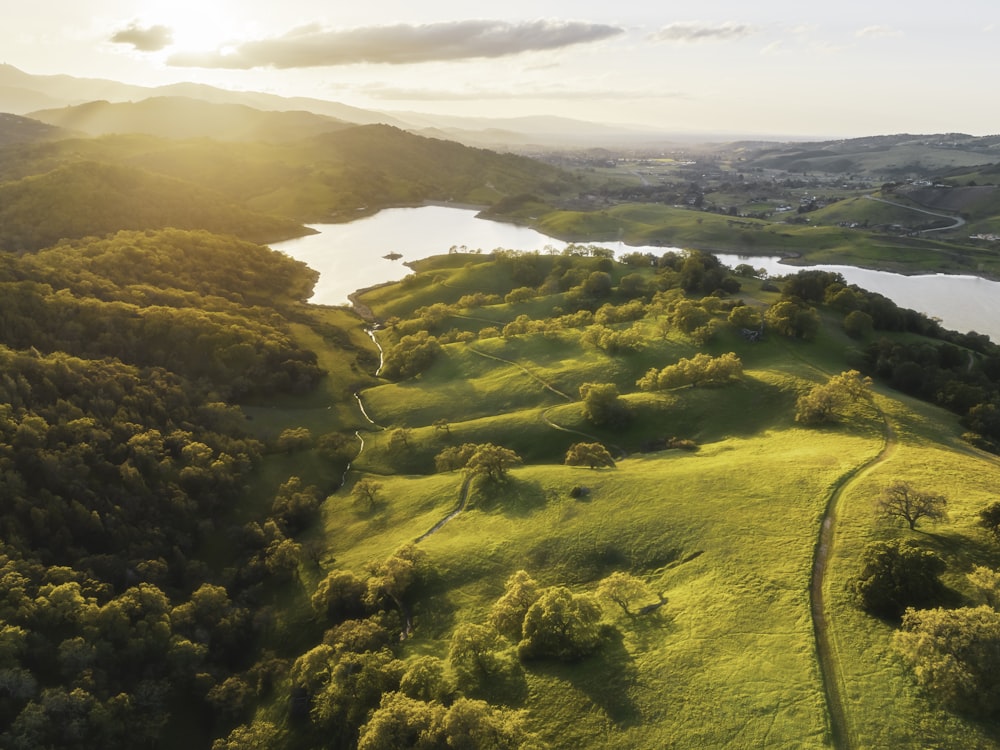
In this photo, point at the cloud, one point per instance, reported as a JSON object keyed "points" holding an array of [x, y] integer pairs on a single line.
{"points": [[312, 45], [876, 32], [684, 31], [149, 39]]}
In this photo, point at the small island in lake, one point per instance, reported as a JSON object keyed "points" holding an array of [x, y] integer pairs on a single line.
{"points": [[393, 256]]}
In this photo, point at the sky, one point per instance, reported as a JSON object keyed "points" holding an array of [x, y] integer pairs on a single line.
{"points": [[835, 68]]}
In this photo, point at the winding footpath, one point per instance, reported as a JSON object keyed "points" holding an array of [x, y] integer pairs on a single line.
{"points": [[463, 499], [545, 414], [463, 493], [826, 648], [545, 384]]}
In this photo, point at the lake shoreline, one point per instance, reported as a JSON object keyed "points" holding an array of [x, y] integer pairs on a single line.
{"points": [[351, 259], [796, 259]]}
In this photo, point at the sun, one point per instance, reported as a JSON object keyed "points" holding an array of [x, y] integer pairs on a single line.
{"points": [[195, 25]]}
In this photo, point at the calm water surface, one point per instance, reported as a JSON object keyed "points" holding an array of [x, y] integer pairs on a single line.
{"points": [[350, 257]]}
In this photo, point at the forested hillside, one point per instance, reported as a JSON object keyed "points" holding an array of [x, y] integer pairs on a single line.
{"points": [[124, 466], [330, 177], [94, 199]]}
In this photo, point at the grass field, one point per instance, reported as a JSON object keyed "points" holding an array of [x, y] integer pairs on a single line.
{"points": [[821, 240], [727, 533]]}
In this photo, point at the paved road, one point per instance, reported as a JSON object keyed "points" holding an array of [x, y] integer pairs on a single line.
{"points": [[959, 221]]}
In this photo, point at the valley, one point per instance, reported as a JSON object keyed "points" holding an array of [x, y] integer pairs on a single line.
{"points": [[515, 497]]}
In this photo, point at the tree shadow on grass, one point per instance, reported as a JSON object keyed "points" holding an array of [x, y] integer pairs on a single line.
{"points": [[954, 547], [649, 631], [505, 686], [606, 678], [513, 497]]}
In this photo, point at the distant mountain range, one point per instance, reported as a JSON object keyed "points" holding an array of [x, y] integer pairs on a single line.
{"points": [[42, 96]]}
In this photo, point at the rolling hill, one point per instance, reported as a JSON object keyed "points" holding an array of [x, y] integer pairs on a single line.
{"points": [[182, 117], [88, 198]]}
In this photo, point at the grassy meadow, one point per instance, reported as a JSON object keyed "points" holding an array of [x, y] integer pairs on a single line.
{"points": [[825, 238], [727, 532]]}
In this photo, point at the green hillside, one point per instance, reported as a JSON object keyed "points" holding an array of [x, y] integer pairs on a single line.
{"points": [[97, 199], [727, 533], [338, 175], [528, 501], [465, 580]]}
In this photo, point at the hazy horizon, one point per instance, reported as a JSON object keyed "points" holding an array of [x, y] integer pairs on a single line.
{"points": [[776, 68]]}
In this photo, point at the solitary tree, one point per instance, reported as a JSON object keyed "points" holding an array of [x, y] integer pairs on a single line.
{"points": [[589, 454], [366, 491], [624, 590], [399, 439], [900, 500], [492, 461], [561, 625], [603, 406], [294, 439]]}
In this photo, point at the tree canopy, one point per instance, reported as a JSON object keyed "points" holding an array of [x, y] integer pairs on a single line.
{"points": [[896, 575], [824, 401], [589, 454], [901, 500], [491, 461], [955, 656]]}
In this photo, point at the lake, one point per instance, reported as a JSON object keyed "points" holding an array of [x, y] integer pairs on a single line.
{"points": [[349, 257]]}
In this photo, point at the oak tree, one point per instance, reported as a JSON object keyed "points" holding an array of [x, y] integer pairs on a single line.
{"points": [[900, 500]]}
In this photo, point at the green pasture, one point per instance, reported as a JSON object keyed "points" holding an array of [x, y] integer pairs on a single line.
{"points": [[728, 662], [883, 707], [866, 211], [819, 241], [726, 532]]}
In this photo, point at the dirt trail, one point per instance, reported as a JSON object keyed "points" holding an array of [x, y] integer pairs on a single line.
{"points": [[530, 374], [463, 499], [826, 650], [545, 414]]}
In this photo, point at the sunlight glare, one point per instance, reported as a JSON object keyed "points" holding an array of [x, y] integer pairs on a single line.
{"points": [[197, 26]]}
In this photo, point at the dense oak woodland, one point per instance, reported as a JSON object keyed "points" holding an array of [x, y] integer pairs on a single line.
{"points": [[117, 455]]}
